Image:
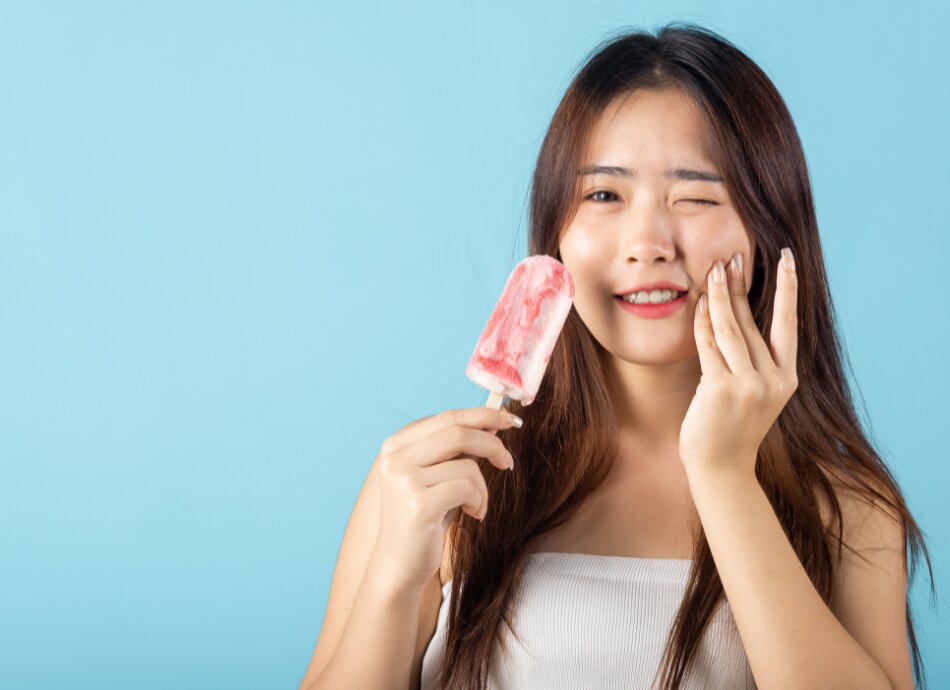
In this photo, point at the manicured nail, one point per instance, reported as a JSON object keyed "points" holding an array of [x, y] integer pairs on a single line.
{"points": [[702, 303], [514, 419], [719, 272], [736, 265], [788, 259]]}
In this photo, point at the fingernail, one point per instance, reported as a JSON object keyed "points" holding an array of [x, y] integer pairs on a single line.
{"points": [[514, 419], [511, 463], [719, 272], [788, 259], [702, 303], [736, 265]]}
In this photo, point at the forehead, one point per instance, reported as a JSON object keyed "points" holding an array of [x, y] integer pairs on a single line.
{"points": [[651, 129]]}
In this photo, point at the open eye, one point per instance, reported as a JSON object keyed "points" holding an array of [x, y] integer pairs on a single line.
{"points": [[600, 191]]}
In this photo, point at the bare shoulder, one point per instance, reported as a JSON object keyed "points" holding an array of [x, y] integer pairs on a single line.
{"points": [[870, 582], [867, 522]]}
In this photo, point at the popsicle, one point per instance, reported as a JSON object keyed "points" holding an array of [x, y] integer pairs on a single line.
{"points": [[513, 350]]}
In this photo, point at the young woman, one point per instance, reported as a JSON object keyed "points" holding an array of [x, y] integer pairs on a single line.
{"points": [[693, 501]]}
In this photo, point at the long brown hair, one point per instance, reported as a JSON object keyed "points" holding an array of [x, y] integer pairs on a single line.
{"points": [[569, 440]]}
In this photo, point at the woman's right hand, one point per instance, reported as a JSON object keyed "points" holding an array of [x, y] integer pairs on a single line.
{"points": [[425, 477]]}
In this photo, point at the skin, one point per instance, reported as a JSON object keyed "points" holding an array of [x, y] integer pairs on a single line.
{"points": [[636, 231]]}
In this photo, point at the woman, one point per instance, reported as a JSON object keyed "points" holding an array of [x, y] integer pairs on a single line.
{"points": [[693, 501]]}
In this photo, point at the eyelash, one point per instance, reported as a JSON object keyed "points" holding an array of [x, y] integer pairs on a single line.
{"points": [[704, 202]]}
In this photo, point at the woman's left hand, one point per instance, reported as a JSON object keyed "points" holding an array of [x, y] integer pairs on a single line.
{"points": [[745, 383]]}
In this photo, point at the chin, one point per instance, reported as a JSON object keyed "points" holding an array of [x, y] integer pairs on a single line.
{"points": [[653, 355]]}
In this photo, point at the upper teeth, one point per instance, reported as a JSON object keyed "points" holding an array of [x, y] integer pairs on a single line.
{"points": [[652, 297]]}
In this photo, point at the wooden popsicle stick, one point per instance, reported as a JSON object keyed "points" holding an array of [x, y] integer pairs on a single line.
{"points": [[495, 400]]}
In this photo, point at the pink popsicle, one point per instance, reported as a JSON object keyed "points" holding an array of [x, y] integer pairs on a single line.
{"points": [[513, 351]]}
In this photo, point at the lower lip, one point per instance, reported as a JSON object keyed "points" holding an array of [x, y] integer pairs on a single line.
{"points": [[654, 311]]}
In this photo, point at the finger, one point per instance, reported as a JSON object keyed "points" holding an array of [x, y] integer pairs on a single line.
{"points": [[453, 441], [458, 493], [738, 293], [710, 359], [457, 469], [783, 338], [475, 417], [729, 336]]}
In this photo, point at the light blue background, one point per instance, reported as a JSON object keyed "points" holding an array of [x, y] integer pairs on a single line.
{"points": [[242, 243]]}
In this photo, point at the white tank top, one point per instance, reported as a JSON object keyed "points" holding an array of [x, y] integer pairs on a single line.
{"points": [[588, 621]]}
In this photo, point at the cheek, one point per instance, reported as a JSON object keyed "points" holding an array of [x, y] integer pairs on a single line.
{"points": [[718, 243], [580, 243], [581, 253], [719, 239]]}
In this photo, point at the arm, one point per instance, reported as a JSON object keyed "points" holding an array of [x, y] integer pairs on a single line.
{"points": [[792, 639], [378, 642]]}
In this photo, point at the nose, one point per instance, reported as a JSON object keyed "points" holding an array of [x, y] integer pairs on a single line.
{"points": [[646, 235]]}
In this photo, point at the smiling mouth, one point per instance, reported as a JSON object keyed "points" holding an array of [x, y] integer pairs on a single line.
{"points": [[646, 300], [653, 310]]}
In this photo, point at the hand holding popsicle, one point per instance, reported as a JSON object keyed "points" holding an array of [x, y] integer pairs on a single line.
{"points": [[424, 481], [428, 468]]}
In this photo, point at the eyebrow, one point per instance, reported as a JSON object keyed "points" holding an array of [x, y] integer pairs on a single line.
{"points": [[670, 173]]}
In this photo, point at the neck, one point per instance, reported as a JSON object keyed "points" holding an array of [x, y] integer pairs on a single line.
{"points": [[651, 400]]}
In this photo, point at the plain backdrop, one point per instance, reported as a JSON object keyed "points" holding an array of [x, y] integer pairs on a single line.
{"points": [[242, 243]]}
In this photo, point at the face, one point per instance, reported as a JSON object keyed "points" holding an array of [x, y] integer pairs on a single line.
{"points": [[630, 230]]}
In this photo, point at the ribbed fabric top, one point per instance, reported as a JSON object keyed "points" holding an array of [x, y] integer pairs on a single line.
{"points": [[589, 621]]}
